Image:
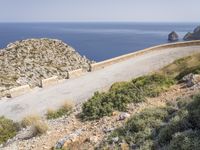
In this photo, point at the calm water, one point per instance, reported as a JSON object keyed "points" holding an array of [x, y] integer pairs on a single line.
{"points": [[97, 41]]}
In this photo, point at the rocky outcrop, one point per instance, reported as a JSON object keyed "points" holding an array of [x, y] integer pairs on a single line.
{"points": [[192, 80], [173, 36], [29, 61], [193, 36]]}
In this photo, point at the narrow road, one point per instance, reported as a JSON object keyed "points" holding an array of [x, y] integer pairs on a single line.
{"points": [[82, 88]]}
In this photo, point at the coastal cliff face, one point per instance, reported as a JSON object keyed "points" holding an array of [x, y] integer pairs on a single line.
{"points": [[29, 61], [195, 35]]}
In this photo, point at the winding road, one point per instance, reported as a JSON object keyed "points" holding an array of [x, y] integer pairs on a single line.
{"points": [[81, 88]]}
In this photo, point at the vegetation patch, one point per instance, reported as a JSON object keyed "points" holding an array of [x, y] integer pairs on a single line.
{"points": [[174, 127], [8, 129], [38, 125], [135, 91], [181, 67], [30, 120], [64, 110], [123, 93]]}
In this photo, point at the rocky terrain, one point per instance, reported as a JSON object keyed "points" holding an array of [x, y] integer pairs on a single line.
{"points": [[69, 132], [173, 36], [29, 61], [195, 35]]}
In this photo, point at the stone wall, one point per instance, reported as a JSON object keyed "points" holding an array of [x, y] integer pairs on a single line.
{"points": [[100, 65], [75, 73], [49, 82], [19, 91]]}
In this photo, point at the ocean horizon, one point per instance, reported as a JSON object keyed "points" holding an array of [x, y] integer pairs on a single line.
{"points": [[96, 40]]}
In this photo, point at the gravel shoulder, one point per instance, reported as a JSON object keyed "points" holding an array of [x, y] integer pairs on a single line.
{"points": [[83, 87]]}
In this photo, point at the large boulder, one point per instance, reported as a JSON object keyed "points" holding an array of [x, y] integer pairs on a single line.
{"points": [[173, 36], [191, 79], [195, 35], [188, 36]]}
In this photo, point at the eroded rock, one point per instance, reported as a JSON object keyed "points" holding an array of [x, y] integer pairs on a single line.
{"points": [[191, 79], [173, 36]]}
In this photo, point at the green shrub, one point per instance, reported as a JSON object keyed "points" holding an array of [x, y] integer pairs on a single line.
{"points": [[171, 128], [194, 111], [97, 107], [187, 140], [8, 129], [153, 85], [123, 93], [194, 70], [64, 110], [140, 129]]}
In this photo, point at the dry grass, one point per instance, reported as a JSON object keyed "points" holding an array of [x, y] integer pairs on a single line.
{"points": [[30, 120], [40, 127], [65, 109], [180, 65]]}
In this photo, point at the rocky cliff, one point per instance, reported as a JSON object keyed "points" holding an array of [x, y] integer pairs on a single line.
{"points": [[29, 61], [173, 36], [195, 35]]}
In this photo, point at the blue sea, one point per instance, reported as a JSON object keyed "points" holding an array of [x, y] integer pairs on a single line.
{"points": [[97, 41]]}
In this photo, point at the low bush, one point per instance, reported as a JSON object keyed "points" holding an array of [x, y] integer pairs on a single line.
{"points": [[40, 127], [153, 85], [30, 120], [8, 129], [64, 110], [187, 140], [171, 128], [141, 128], [123, 93]]}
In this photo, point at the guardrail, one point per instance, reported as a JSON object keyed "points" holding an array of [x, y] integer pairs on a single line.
{"points": [[102, 64], [19, 91], [96, 66]]}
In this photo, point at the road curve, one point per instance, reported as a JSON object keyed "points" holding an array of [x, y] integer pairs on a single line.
{"points": [[83, 87]]}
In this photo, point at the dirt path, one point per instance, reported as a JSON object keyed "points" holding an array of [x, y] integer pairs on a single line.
{"points": [[81, 88]]}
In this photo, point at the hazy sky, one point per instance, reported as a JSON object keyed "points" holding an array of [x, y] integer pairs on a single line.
{"points": [[99, 10]]}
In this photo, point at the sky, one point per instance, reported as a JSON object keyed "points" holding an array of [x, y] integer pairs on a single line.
{"points": [[99, 10]]}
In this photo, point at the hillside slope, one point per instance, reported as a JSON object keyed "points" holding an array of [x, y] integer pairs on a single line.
{"points": [[29, 61]]}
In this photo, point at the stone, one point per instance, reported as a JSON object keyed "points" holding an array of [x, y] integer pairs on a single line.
{"points": [[93, 139], [173, 36], [27, 133], [106, 130], [188, 36], [32, 60], [123, 116], [197, 29], [191, 79], [195, 35], [68, 139], [115, 139]]}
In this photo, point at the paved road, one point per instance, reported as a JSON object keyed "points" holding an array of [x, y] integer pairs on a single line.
{"points": [[81, 88]]}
